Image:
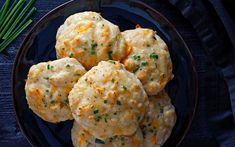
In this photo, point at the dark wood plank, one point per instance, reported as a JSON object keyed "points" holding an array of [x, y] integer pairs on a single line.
{"points": [[10, 134]]}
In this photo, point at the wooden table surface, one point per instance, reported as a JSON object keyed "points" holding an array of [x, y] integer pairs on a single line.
{"points": [[10, 134]]}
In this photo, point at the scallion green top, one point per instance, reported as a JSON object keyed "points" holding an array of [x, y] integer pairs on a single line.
{"points": [[14, 20]]}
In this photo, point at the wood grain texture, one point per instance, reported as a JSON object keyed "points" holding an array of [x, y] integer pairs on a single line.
{"points": [[9, 129], [10, 134]]}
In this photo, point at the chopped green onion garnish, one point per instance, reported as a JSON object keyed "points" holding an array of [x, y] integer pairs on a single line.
{"points": [[110, 55], [111, 61], [50, 66], [71, 55], [144, 63], [137, 57], [96, 110], [98, 141], [153, 56], [105, 101], [124, 87], [93, 45], [118, 102], [46, 78]]}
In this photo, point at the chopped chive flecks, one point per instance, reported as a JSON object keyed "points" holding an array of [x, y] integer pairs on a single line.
{"points": [[49, 66], [46, 78], [144, 63], [93, 46], [96, 110], [111, 61], [153, 56], [124, 87], [98, 141], [110, 55], [119, 102], [137, 57], [13, 20], [71, 55]]}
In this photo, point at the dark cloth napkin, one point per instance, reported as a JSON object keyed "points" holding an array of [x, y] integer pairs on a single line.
{"points": [[216, 30], [208, 29]]}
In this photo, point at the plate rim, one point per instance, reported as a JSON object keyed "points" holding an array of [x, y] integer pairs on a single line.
{"points": [[43, 18], [18, 54], [195, 75]]}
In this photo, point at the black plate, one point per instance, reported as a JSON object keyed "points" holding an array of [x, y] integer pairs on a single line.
{"points": [[38, 46]]}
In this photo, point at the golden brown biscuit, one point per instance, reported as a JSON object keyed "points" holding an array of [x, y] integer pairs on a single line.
{"points": [[108, 101], [90, 39], [148, 58], [159, 121], [48, 86]]}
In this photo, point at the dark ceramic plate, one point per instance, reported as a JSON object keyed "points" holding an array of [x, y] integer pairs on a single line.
{"points": [[39, 44]]}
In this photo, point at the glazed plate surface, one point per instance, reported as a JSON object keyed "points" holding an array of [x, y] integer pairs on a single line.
{"points": [[38, 46]]}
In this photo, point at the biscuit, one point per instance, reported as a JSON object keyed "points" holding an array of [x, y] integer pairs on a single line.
{"points": [[48, 86], [148, 59], [90, 39], [108, 100]]}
